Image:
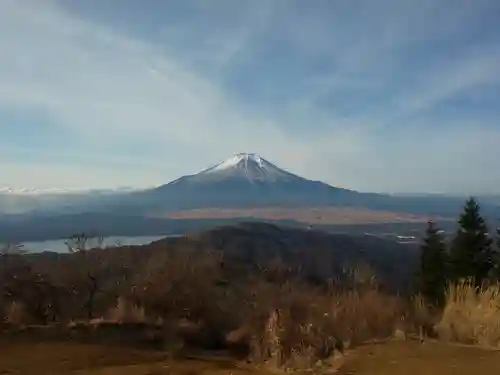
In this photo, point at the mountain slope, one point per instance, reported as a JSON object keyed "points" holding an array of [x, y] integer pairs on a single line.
{"points": [[245, 180]]}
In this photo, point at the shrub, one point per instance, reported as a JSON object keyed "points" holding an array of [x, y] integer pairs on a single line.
{"points": [[423, 318], [471, 314], [359, 317], [304, 325]]}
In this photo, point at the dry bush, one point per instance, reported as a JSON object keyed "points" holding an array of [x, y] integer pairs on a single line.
{"points": [[305, 325], [182, 285], [185, 286], [471, 314], [420, 320], [126, 312], [362, 316]]}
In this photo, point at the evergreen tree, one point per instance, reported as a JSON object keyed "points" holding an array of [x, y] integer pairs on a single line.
{"points": [[472, 253], [498, 239], [433, 266], [496, 269]]}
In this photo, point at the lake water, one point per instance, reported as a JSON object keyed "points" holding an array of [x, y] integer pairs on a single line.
{"points": [[60, 246]]}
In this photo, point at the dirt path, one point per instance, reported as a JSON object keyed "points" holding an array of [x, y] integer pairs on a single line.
{"points": [[72, 359], [413, 358]]}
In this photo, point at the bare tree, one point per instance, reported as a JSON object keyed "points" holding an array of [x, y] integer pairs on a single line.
{"points": [[81, 244], [6, 250]]}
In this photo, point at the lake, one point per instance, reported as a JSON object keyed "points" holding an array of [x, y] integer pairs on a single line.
{"points": [[60, 247]]}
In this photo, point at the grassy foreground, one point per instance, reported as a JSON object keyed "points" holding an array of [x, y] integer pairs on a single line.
{"points": [[391, 358]]}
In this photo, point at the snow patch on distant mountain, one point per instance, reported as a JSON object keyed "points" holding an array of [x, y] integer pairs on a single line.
{"points": [[61, 191]]}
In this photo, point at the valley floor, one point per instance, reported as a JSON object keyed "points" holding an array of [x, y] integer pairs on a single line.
{"points": [[313, 215], [393, 358]]}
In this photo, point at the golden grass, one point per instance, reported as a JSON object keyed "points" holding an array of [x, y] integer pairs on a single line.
{"points": [[471, 315]]}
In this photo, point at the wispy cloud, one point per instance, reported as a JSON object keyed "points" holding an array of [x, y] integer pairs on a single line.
{"points": [[352, 94]]}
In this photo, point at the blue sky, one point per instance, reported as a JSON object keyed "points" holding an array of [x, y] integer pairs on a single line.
{"points": [[388, 95]]}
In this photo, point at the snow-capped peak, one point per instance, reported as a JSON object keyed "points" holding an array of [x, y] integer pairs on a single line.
{"points": [[234, 160], [249, 166]]}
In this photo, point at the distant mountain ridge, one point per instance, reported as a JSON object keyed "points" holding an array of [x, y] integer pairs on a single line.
{"points": [[61, 191]]}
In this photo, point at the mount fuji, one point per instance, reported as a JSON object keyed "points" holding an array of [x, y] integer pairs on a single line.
{"points": [[245, 180]]}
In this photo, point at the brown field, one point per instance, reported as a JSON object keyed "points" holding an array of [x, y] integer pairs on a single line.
{"points": [[392, 358], [319, 215]]}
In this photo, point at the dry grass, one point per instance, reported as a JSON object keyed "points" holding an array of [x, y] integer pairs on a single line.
{"points": [[423, 318], [303, 329], [307, 329], [362, 316], [471, 315]]}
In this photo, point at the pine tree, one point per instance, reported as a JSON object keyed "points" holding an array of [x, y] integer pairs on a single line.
{"points": [[433, 266], [496, 268], [472, 254], [498, 238]]}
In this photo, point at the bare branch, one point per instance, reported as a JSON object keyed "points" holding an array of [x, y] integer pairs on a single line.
{"points": [[81, 242]]}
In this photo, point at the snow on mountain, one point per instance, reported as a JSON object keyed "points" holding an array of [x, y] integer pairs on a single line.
{"points": [[240, 160], [248, 167]]}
